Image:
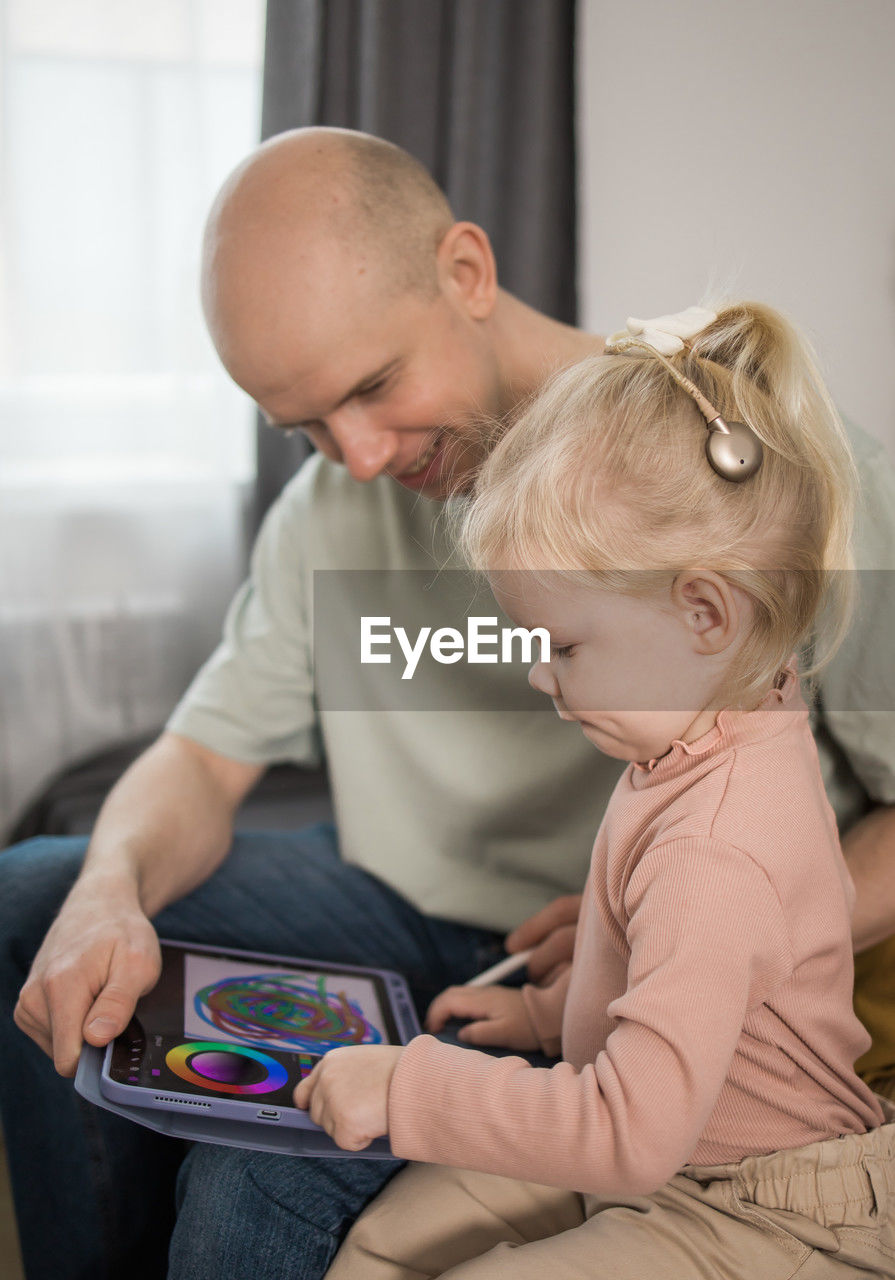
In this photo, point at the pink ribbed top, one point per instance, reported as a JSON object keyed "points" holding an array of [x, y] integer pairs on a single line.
{"points": [[707, 1014]]}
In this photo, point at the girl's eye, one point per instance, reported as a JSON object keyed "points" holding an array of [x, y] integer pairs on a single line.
{"points": [[562, 651]]}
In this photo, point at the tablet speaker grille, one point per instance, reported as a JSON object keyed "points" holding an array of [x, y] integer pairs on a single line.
{"points": [[183, 1102]]}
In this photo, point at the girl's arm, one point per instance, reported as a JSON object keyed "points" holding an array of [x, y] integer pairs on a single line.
{"points": [[708, 942], [347, 1092], [545, 1006], [526, 1019]]}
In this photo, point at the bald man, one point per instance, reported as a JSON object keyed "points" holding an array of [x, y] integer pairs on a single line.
{"points": [[391, 346], [345, 299]]}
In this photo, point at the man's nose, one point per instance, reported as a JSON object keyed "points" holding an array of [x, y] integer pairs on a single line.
{"points": [[541, 677], [366, 449]]}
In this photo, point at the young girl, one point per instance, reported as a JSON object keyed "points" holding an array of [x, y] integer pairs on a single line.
{"points": [[676, 513]]}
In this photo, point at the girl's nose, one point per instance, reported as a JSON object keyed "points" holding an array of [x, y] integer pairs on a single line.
{"points": [[541, 677]]}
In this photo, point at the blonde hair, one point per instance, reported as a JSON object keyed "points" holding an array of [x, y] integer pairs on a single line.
{"points": [[604, 478]]}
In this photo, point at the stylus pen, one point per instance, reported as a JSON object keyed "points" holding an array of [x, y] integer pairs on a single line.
{"points": [[502, 969]]}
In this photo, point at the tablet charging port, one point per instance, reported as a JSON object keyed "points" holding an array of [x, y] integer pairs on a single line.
{"points": [[267, 1113]]}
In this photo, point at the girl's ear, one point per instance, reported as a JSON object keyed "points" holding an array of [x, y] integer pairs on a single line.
{"points": [[466, 269], [712, 610]]}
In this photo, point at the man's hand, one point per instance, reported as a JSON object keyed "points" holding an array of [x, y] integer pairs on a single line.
{"points": [[347, 1093], [499, 1016], [551, 932], [164, 828], [100, 955], [869, 849]]}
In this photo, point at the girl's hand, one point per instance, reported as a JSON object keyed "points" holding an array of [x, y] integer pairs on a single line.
{"points": [[498, 1016], [347, 1093], [551, 931]]}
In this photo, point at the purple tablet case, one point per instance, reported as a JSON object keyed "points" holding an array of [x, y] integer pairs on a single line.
{"points": [[191, 1117]]}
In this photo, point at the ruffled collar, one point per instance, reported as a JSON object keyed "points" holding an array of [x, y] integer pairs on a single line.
{"points": [[732, 728]]}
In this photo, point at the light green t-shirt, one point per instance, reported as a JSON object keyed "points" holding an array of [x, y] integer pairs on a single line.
{"points": [[478, 814]]}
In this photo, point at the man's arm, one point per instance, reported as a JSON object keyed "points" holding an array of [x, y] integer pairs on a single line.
{"points": [[164, 828], [869, 849]]}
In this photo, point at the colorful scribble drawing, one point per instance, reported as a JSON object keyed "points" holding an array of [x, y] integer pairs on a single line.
{"points": [[289, 1010]]}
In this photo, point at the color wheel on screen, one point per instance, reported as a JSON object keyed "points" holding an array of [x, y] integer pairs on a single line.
{"points": [[226, 1068]]}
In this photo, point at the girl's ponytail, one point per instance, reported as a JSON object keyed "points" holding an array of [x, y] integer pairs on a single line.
{"points": [[605, 476], [774, 381]]}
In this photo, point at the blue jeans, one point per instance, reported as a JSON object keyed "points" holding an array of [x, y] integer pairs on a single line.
{"points": [[97, 1196]]}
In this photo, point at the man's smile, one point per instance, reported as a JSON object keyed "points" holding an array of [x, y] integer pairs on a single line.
{"points": [[418, 471]]}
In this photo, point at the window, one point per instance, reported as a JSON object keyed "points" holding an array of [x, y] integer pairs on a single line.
{"points": [[125, 452], [121, 118]]}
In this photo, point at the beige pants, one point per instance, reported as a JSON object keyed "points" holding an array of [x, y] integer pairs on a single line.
{"points": [[821, 1212]]}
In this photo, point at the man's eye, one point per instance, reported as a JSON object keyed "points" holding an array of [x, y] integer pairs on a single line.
{"points": [[561, 650], [373, 387]]}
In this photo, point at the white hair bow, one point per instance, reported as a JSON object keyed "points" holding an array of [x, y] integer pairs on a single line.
{"points": [[665, 334]]}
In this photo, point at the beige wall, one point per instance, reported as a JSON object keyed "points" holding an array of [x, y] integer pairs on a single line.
{"points": [[747, 147]]}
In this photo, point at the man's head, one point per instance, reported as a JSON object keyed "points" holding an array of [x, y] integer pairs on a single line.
{"points": [[342, 296]]}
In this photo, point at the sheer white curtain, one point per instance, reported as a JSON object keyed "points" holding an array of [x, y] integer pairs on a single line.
{"points": [[125, 454]]}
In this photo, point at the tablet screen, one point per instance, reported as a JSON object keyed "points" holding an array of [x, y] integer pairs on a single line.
{"points": [[229, 1025]]}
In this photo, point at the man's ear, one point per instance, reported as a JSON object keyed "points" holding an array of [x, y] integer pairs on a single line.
{"points": [[712, 610], [467, 272]]}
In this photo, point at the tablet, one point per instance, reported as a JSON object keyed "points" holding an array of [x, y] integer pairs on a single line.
{"points": [[215, 1050]]}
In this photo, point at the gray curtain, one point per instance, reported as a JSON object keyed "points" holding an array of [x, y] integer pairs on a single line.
{"points": [[481, 91]]}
